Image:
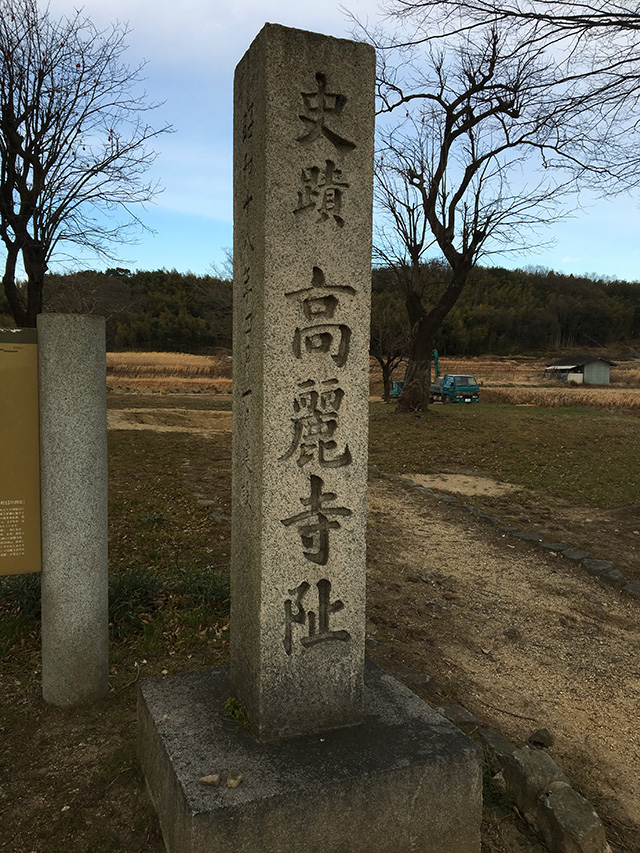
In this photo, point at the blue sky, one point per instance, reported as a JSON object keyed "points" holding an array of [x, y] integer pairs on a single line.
{"points": [[192, 48]]}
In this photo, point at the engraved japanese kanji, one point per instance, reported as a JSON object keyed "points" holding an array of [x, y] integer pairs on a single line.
{"points": [[318, 624], [315, 423], [322, 191], [319, 300], [332, 338], [315, 522], [319, 105]]}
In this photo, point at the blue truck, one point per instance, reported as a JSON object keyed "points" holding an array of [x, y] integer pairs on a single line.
{"points": [[452, 388], [455, 388]]}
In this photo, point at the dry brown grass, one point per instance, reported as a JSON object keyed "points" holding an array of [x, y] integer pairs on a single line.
{"points": [[530, 372], [498, 371], [611, 399], [520, 381], [168, 364], [169, 372], [626, 373], [489, 371]]}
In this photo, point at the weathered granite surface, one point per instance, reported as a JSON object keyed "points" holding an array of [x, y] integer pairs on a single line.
{"points": [[563, 818], [405, 779], [73, 464], [303, 175]]}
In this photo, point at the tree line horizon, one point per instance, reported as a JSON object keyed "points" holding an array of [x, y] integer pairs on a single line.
{"points": [[531, 311], [493, 117]]}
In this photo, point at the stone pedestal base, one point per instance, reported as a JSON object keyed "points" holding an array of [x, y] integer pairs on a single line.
{"points": [[404, 780]]}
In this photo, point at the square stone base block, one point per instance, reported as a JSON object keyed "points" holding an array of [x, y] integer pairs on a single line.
{"points": [[404, 780]]}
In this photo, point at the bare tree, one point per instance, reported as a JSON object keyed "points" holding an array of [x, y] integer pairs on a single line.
{"points": [[549, 17], [88, 292], [74, 144], [593, 49], [389, 340], [463, 172]]}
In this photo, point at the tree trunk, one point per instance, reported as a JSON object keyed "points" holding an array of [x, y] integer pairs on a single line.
{"points": [[35, 267], [417, 380], [386, 366], [386, 381], [16, 307], [424, 328]]}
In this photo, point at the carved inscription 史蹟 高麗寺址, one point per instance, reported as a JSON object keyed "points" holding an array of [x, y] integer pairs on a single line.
{"points": [[303, 175], [317, 443]]}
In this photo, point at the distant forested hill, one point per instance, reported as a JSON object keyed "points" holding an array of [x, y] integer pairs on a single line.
{"points": [[500, 312], [157, 310], [505, 311]]}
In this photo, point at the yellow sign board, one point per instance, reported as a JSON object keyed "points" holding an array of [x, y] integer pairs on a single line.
{"points": [[19, 453]]}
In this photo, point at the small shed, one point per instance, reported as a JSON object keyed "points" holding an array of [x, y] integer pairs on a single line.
{"points": [[590, 371]]}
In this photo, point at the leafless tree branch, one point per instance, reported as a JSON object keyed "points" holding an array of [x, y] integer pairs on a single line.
{"points": [[464, 167], [74, 143]]}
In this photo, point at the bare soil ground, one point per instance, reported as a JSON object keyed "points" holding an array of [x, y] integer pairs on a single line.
{"points": [[170, 420], [521, 638], [462, 484], [458, 611], [609, 534]]}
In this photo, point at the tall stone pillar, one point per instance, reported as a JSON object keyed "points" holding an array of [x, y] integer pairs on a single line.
{"points": [[304, 775], [73, 460], [303, 176]]}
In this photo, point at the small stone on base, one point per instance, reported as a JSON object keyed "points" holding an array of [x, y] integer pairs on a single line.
{"points": [[405, 779]]}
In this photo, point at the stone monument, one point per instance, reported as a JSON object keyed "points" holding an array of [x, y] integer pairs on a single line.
{"points": [[338, 756], [303, 166], [53, 493]]}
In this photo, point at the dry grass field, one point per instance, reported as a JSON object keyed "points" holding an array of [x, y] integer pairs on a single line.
{"points": [[520, 636], [559, 396], [168, 372], [518, 381], [530, 372]]}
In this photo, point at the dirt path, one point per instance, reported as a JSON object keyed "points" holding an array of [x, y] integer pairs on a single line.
{"points": [[169, 420], [521, 638]]}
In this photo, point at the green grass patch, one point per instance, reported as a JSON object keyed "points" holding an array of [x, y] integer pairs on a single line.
{"points": [[19, 610], [587, 456]]}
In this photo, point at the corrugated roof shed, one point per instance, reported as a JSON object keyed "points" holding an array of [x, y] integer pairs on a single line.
{"points": [[571, 364]]}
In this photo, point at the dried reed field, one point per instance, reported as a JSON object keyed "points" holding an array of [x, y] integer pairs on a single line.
{"points": [[169, 372], [490, 372], [518, 381], [589, 397], [521, 382], [526, 371]]}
